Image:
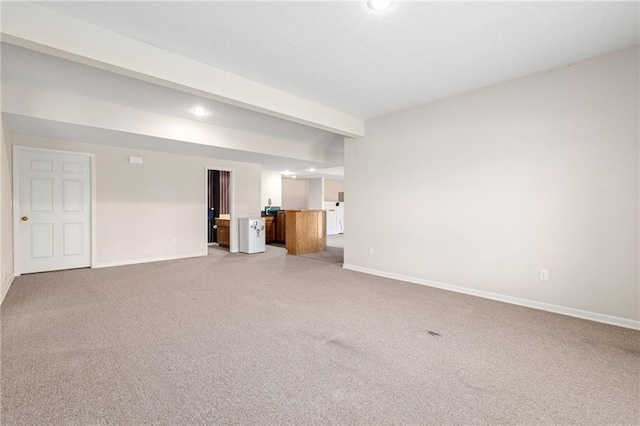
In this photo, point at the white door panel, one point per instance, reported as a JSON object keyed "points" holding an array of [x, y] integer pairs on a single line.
{"points": [[41, 195], [73, 238], [72, 191], [54, 204], [41, 166], [41, 239], [72, 168]]}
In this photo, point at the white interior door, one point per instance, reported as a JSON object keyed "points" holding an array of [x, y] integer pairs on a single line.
{"points": [[54, 207]]}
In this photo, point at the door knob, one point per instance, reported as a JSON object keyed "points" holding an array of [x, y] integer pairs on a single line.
{"points": [[24, 218]]}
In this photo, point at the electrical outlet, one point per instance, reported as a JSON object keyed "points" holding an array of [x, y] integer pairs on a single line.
{"points": [[544, 275], [370, 251]]}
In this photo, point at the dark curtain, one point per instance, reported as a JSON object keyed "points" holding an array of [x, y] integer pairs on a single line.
{"points": [[218, 199], [224, 192], [210, 190], [213, 203], [210, 208]]}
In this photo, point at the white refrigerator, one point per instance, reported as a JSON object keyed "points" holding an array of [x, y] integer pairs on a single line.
{"points": [[252, 234], [335, 217]]}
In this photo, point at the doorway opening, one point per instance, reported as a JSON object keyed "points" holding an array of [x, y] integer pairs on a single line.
{"points": [[219, 208]]}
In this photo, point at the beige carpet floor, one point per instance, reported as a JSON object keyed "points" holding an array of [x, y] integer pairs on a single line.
{"points": [[330, 254], [276, 339], [335, 240]]}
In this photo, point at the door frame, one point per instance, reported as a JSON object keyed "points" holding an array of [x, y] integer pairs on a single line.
{"points": [[17, 149], [233, 226]]}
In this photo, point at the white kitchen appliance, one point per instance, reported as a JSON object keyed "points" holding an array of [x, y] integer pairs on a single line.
{"points": [[340, 217], [252, 234], [335, 217]]}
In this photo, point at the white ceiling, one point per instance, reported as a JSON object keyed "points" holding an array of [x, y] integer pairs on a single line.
{"points": [[29, 68], [33, 69], [345, 56]]}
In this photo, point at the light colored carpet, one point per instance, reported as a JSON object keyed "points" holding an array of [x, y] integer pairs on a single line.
{"points": [[335, 240], [330, 254], [334, 253], [276, 339]]}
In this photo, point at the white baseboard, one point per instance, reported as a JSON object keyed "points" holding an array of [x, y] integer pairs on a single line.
{"points": [[5, 285], [146, 260], [592, 316]]}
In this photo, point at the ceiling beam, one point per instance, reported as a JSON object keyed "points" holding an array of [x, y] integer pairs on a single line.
{"points": [[38, 28], [90, 113]]}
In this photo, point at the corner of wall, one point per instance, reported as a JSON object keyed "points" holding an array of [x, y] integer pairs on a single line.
{"points": [[315, 193], [6, 284], [6, 225], [271, 188]]}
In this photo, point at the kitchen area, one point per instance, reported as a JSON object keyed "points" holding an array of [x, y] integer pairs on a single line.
{"points": [[303, 215], [301, 231]]}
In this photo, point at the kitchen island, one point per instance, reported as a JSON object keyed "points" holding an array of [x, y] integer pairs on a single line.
{"points": [[306, 231]]}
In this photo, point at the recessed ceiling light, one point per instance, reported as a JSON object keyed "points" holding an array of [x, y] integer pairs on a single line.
{"points": [[286, 173], [293, 177], [200, 111], [312, 169], [379, 4]]}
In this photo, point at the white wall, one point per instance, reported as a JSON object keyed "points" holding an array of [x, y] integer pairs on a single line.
{"points": [[271, 189], [6, 214], [315, 194], [294, 194], [142, 208], [331, 189], [484, 189]]}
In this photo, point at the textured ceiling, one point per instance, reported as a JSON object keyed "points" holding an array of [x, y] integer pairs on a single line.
{"points": [[343, 55]]}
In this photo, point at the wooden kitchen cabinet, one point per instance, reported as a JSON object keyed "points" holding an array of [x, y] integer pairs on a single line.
{"points": [[269, 229], [281, 226], [223, 232]]}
